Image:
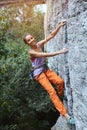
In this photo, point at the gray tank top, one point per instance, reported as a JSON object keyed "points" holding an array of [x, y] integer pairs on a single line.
{"points": [[37, 61]]}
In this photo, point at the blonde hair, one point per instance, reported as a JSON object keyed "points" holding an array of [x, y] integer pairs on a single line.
{"points": [[24, 38]]}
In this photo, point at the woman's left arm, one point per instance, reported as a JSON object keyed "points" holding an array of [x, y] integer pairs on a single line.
{"points": [[42, 42]]}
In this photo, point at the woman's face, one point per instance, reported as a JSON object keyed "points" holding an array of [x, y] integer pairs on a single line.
{"points": [[30, 40]]}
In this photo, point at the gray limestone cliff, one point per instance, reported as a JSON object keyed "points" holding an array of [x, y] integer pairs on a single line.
{"points": [[72, 67]]}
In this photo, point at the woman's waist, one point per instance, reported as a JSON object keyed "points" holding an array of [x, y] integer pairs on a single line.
{"points": [[38, 66], [39, 70]]}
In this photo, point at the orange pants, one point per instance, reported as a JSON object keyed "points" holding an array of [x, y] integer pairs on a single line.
{"points": [[45, 79]]}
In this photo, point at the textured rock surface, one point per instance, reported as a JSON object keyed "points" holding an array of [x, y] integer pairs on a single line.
{"points": [[61, 124], [73, 66]]}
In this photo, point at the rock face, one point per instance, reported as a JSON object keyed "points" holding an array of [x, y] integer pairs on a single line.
{"points": [[61, 124], [73, 65]]}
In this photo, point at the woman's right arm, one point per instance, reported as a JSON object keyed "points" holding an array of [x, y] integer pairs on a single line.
{"points": [[43, 54]]}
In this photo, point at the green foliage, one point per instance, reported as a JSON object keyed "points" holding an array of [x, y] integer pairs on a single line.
{"points": [[19, 96], [6, 18]]}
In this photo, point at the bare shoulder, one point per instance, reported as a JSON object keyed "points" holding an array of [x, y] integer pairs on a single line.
{"points": [[41, 43], [30, 51]]}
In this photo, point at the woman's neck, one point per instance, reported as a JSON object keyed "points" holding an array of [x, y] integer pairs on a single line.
{"points": [[33, 47]]}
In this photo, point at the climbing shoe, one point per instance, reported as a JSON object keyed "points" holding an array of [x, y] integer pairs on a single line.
{"points": [[71, 121]]}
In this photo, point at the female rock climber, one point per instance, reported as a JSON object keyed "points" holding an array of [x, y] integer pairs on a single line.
{"points": [[44, 75]]}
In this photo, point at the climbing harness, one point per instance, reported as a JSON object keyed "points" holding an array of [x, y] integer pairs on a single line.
{"points": [[31, 75]]}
